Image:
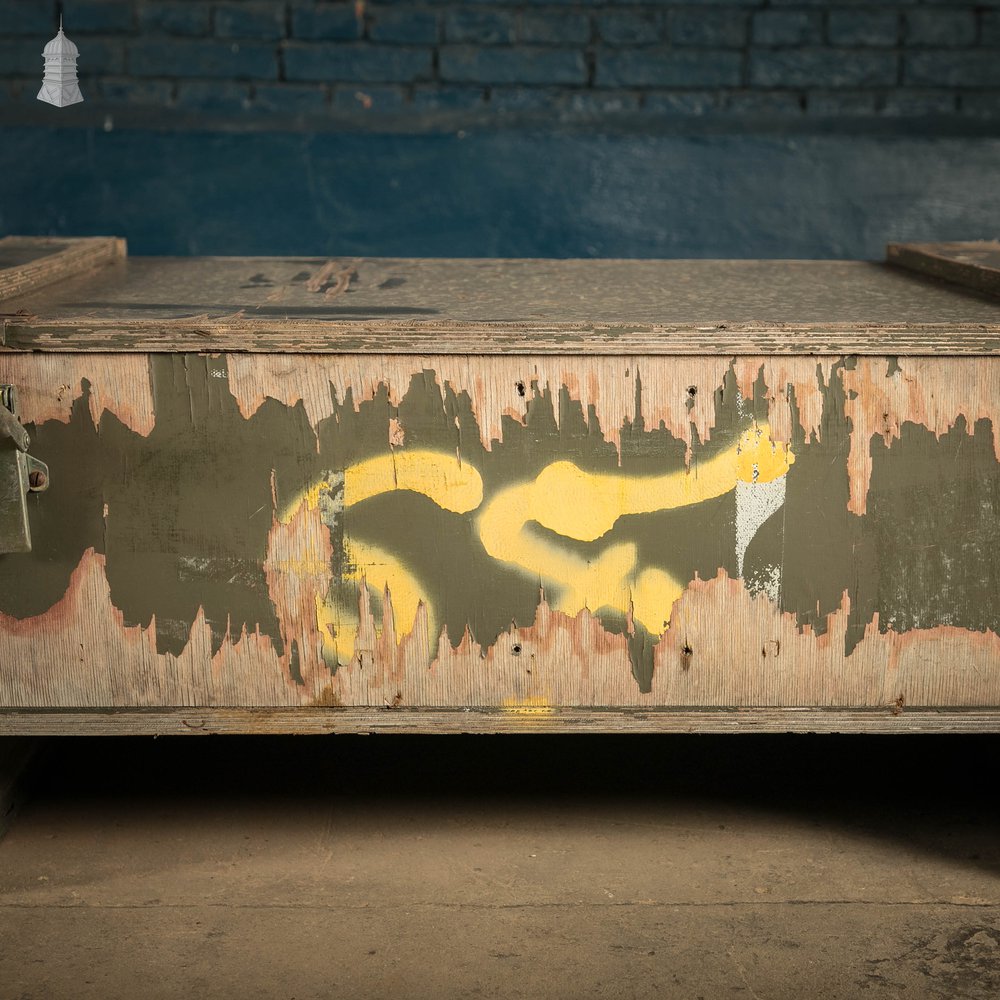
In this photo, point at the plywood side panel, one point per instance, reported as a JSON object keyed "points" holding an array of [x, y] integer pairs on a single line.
{"points": [[519, 533], [726, 649]]}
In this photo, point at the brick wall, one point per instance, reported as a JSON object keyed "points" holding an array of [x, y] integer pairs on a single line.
{"points": [[413, 62]]}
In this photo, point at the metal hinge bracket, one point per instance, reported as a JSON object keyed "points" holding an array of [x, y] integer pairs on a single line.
{"points": [[20, 474]]}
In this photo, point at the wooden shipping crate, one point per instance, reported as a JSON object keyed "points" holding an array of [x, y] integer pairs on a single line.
{"points": [[306, 495]]}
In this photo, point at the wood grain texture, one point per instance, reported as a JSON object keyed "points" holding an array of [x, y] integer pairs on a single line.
{"points": [[881, 395], [725, 648], [872, 585], [218, 721], [30, 263], [80, 653], [49, 385], [545, 494], [974, 264], [720, 308], [301, 336]]}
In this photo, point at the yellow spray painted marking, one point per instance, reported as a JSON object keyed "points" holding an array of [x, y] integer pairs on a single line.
{"points": [[585, 506], [563, 498], [380, 570], [439, 476], [450, 484], [527, 706]]}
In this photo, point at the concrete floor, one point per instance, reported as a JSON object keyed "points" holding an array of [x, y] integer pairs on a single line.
{"points": [[349, 867]]}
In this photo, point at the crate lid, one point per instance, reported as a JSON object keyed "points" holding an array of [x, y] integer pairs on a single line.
{"points": [[88, 295]]}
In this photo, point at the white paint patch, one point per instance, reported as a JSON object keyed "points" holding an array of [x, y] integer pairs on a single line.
{"points": [[767, 581], [755, 503], [331, 498]]}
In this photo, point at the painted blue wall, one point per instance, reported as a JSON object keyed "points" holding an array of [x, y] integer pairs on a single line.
{"points": [[736, 128], [498, 193]]}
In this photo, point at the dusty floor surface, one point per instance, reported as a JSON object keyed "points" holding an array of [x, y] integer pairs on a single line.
{"points": [[565, 867]]}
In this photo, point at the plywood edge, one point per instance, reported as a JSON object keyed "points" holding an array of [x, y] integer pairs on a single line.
{"points": [[178, 721], [240, 335], [68, 257], [973, 264]]}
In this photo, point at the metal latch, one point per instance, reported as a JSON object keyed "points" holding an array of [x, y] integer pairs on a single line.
{"points": [[20, 474]]}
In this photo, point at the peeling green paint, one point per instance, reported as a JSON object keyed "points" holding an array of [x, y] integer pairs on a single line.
{"points": [[183, 516], [933, 530], [188, 508]]}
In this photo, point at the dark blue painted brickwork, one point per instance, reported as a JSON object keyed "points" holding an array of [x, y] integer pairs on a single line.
{"points": [[904, 57], [498, 193], [733, 128]]}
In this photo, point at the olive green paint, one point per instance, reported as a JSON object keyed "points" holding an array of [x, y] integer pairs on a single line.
{"points": [[933, 531], [189, 509], [463, 584], [820, 535], [189, 506]]}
